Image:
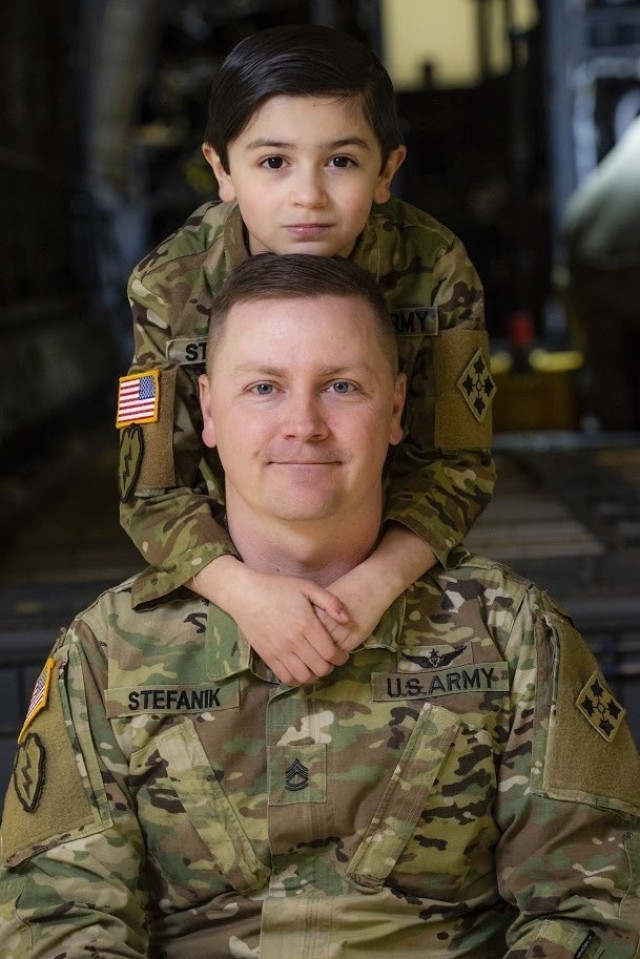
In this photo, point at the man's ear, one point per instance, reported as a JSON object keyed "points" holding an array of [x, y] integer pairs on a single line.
{"points": [[394, 161], [208, 427], [225, 183], [396, 431]]}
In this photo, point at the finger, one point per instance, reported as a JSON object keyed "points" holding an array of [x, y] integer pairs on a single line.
{"points": [[320, 647], [339, 634], [299, 671], [329, 603]]}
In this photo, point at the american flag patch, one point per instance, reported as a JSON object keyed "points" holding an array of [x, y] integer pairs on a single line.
{"points": [[138, 398], [39, 696]]}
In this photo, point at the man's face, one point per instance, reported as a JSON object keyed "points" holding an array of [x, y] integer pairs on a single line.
{"points": [[305, 172], [302, 405]]}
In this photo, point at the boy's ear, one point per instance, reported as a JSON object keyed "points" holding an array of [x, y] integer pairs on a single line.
{"points": [[225, 184], [394, 161], [208, 426]]}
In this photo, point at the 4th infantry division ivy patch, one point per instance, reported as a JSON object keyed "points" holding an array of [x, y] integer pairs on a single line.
{"points": [[600, 708]]}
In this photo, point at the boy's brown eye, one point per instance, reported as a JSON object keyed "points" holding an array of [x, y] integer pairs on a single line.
{"points": [[341, 162], [274, 163]]}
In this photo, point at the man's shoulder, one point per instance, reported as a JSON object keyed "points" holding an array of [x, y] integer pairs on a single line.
{"points": [[466, 566], [500, 590], [111, 617]]}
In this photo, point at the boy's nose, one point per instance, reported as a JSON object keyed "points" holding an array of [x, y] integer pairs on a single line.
{"points": [[308, 189]]}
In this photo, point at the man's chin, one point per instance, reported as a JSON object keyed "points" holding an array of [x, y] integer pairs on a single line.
{"points": [[304, 508]]}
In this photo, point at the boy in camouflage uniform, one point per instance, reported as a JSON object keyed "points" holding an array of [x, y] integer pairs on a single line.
{"points": [[304, 141], [464, 786]]}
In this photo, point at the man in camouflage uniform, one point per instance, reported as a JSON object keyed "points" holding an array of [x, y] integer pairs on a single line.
{"points": [[464, 786]]}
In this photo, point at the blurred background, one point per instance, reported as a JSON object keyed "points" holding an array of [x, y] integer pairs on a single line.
{"points": [[519, 116]]}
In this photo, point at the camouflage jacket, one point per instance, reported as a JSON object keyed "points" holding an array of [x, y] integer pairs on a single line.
{"points": [[442, 474], [465, 786]]}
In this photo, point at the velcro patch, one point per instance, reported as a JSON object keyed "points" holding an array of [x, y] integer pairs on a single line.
{"points": [[39, 696], [138, 398], [485, 677], [600, 708], [464, 390], [48, 802]]}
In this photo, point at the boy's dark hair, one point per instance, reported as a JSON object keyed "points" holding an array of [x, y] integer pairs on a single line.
{"points": [[299, 60], [269, 276]]}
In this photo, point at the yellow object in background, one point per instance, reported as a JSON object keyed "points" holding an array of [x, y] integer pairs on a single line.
{"points": [[544, 397]]}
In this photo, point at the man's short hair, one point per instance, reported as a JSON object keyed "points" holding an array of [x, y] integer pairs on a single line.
{"points": [[300, 276], [299, 60]]}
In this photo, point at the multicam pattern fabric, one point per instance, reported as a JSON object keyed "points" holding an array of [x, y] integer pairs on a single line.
{"points": [[441, 476], [439, 795]]}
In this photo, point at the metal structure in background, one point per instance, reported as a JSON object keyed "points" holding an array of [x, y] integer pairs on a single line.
{"points": [[593, 82], [50, 354]]}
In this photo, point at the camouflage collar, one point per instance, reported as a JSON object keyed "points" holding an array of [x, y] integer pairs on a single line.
{"points": [[235, 244], [228, 652]]}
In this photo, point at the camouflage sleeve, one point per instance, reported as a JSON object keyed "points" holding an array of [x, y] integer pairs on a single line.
{"points": [[167, 478], [569, 801], [71, 844], [442, 475]]}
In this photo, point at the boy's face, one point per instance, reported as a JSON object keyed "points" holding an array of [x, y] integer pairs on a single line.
{"points": [[305, 172]]}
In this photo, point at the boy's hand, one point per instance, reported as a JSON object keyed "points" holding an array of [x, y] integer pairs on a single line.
{"points": [[366, 606], [369, 589], [277, 615]]}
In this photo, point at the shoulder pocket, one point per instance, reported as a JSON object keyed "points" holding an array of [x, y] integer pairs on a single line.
{"points": [[582, 742], [56, 791]]}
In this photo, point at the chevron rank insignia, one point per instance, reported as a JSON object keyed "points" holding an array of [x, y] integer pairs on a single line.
{"points": [[297, 776], [600, 708], [477, 386]]}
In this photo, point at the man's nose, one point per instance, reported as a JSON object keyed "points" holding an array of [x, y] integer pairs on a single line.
{"points": [[304, 418]]}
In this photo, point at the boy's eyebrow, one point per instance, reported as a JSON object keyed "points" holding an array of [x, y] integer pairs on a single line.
{"points": [[261, 142]]}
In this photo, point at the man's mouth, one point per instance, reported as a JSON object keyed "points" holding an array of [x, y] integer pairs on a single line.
{"points": [[321, 462]]}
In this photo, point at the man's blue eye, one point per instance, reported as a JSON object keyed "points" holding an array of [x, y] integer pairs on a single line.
{"points": [[263, 389], [341, 386]]}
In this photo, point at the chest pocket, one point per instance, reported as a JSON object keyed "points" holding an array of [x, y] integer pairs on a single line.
{"points": [[433, 824], [176, 767]]}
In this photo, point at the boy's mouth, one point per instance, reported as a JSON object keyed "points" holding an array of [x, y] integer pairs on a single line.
{"points": [[308, 231]]}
